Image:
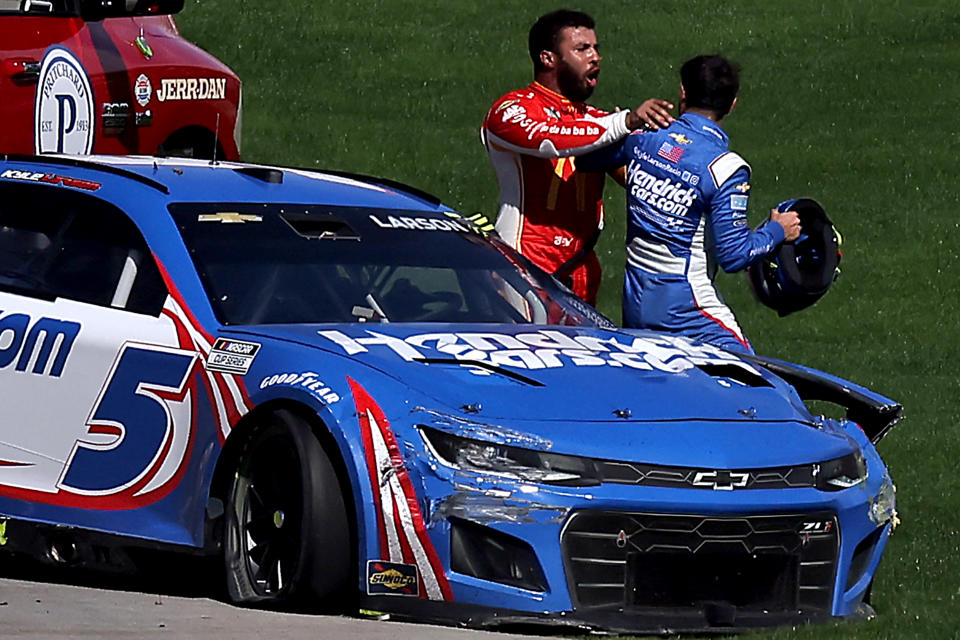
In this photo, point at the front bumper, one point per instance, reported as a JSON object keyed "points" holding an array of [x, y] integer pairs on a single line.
{"points": [[672, 573], [662, 622], [643, 559]]}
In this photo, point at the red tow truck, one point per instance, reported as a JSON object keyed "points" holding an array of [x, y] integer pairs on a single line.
{"points": [[111, 77]]}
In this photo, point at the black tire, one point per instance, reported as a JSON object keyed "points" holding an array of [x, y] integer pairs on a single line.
{"points": [[287, 534]]}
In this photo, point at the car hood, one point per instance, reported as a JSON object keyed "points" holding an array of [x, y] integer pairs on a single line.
{"points": [[588, 391], [559, 373]]}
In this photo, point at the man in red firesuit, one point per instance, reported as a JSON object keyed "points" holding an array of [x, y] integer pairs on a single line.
{"points": [[549, 211]]}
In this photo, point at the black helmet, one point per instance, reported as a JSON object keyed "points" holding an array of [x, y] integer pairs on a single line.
{"points": [[798, 273]]}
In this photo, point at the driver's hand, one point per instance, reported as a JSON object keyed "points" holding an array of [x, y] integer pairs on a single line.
{"points": [[790, 221], [651, 115]]}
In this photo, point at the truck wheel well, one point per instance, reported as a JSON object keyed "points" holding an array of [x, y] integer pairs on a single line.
{"points": [[191, 142]]}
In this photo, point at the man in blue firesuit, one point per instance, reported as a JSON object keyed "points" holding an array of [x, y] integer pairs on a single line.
{"points": [[687, 211]]}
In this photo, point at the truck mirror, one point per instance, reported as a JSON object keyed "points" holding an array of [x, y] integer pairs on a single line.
{"points": [[95, 10]]}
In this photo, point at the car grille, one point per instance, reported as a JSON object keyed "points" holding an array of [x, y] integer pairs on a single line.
{"points": [[648, 475], [754, 563]]}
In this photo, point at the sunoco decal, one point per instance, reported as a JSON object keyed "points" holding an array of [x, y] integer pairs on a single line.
{"points": [[392, 578], [63, 108], [545, 349], [232, 356]]}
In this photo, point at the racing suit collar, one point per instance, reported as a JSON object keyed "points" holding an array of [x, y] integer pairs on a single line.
{"points": [[557, 98], [704, 124]]}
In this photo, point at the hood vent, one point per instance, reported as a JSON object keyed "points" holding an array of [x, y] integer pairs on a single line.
{"points": [[735, 372], [485, 368]]}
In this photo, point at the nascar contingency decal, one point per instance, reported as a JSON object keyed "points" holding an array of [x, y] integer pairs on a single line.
{"points": [[303, 380], [392, 579], [232, 356]]}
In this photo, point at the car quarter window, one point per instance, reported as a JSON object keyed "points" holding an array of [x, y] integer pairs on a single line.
{"points": [[57, 243]]}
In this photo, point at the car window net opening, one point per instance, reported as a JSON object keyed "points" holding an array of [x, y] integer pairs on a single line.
{"points": [[279, 264], [56, 243]]}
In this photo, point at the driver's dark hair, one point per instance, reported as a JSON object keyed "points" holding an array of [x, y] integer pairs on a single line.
{"points": [[710, 82], [545, 32]]}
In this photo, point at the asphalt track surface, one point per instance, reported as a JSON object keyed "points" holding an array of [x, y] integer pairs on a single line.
{"points": [[40, 603]]}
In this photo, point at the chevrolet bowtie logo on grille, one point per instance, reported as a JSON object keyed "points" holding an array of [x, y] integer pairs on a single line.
{"points": [[720, 480]]}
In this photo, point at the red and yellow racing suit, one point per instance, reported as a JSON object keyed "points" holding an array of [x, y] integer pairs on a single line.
{"points": [[549, 211]]}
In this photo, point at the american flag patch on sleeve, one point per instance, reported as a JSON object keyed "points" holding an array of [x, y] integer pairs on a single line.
{"points": [[671, 152]]}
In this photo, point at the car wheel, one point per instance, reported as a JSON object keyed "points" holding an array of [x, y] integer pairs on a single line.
{"points": [[287, 535]]}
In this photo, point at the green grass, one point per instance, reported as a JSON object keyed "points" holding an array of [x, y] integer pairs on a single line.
{"points": [[851, 103]]}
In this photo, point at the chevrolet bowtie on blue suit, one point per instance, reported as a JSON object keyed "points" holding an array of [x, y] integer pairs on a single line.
{"points": [[350, 393]]}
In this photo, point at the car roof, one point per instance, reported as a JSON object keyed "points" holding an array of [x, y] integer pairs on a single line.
{"points": [[188, 180]]}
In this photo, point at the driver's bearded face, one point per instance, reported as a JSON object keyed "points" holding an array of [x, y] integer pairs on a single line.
{"points": [[578, 63]]}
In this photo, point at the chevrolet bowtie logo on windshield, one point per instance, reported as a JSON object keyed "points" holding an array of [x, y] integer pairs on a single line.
{"points": [[229, 217], [720, 480]]}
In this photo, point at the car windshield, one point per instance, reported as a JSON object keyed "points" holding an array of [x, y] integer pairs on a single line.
{"points": [[271, 263]]}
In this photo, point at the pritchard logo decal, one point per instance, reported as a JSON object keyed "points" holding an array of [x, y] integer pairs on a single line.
{"points": [[63, 107], [392, 578]]}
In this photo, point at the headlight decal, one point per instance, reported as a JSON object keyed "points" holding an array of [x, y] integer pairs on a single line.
{"points": [[883, 506], [498, 505], [473, 454], [841, 473], [495, 433], [402, 533], [509, 462]]}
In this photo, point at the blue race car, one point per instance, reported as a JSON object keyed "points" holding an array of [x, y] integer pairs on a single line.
{"points": [[353, 394]]}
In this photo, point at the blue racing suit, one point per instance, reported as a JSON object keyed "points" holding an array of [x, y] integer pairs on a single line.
{"points": [[686, 212]]}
